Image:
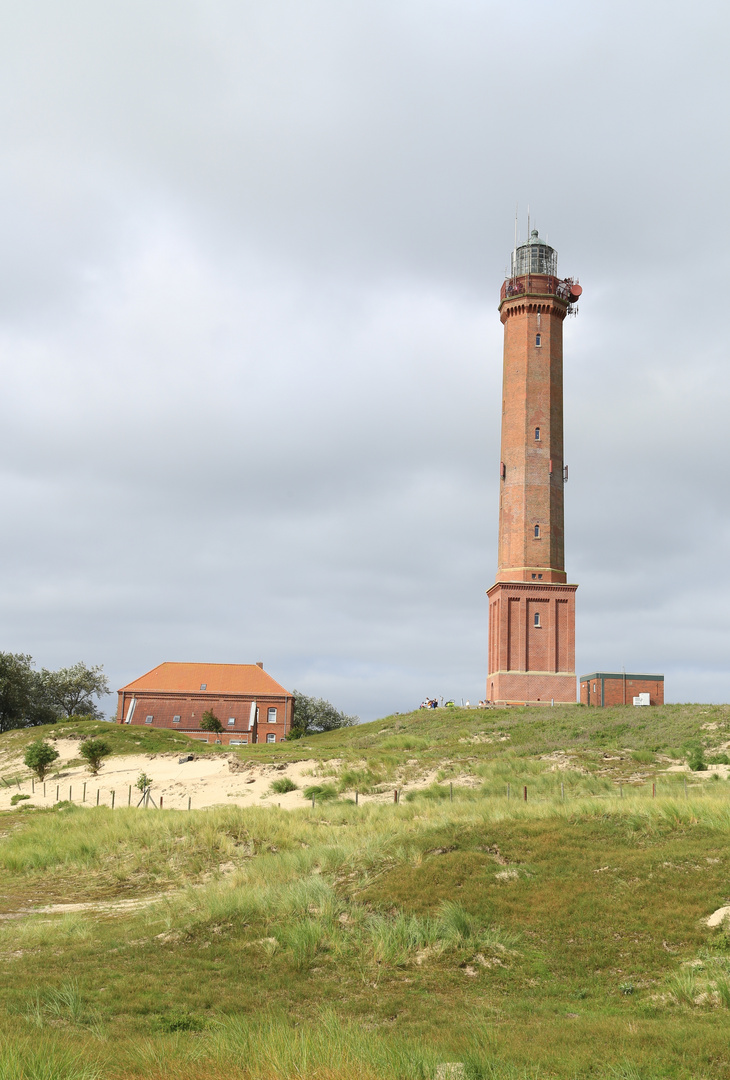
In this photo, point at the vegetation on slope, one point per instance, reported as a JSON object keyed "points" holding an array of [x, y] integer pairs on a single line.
{"points": [[556, 938]]}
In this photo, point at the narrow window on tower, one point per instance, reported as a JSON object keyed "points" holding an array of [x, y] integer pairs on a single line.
{"points": [[537, 618], [537, 434], [537, 532], [538, 339]]}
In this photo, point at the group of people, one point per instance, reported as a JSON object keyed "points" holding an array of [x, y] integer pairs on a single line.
{"points": [[432, 703]]}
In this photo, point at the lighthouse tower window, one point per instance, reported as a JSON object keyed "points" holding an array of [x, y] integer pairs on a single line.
{"points": [[537, 532], [538, 339], [537, 618], [537, 434]]}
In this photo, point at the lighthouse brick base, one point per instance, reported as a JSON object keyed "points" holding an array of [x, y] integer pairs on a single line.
{"points": [[531, 644]]}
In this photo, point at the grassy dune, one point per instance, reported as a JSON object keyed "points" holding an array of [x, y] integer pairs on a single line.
{"points": [[562, 937]]}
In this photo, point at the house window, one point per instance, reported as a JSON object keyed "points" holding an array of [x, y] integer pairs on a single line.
{"points": [[272, 716], [537, 532], [239, 742], [534, 577], [176, 719], [537, 618], [538, 339], [204, 686], [271, 737], [231, 720], [539, 577], [148, 719], [537, 434]]}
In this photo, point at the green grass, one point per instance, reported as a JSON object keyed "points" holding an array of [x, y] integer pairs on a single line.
{"points": [[562, 937]]}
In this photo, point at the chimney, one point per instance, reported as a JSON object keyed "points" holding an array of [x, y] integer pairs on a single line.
{"points": [[260, 663]]}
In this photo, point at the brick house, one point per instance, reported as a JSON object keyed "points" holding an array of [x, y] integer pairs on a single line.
{"points": [[604, 688], [251, 706]]}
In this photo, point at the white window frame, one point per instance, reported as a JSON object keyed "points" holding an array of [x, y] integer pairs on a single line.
{"points": [[231, 721], [176, 719], [271, 736], [268, 716], [149, 719]]}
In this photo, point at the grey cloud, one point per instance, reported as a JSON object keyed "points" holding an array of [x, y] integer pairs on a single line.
{"points": [[250, 354]]}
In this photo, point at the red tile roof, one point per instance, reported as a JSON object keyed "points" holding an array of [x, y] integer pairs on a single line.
{"points": [[219, 679]]}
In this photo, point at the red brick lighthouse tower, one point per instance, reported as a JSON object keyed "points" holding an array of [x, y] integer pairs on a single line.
{"points": [[531, 606]]}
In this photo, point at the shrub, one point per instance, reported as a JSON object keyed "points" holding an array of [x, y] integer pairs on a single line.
{"points": [[404, 742], [645, 757], [696, 757], [718, 759], [94, 751], [282, 785], [434, 791], [210, 722], [723, 988], [15, 799], [320, 792], [39, 757], [181, 1021], [143, 782]]}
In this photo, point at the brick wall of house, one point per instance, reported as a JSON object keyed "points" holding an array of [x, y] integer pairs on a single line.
{"points": [[164, 707], [606, 689]]}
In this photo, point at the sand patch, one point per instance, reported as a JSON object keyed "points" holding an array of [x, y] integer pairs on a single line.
{"points": [[718, 917]]}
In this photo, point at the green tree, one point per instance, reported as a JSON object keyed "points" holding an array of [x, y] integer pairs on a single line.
{"points": [[94, 751], [39, 757], [143, 782], [72, 690], [210, 722], [24, 701], [313, 714]]}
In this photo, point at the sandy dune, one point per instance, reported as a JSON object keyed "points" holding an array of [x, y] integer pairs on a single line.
{"points": [[204, 781]]}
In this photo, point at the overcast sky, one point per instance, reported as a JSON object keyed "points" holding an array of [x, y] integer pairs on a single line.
{"points": [[250, 354]]}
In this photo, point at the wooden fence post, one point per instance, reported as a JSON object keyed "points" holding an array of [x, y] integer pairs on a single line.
{"points": [[525, 793], [83, 797], [113, 794]]}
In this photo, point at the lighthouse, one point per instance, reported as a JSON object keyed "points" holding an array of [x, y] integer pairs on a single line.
{"points": [[531, 604]]}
